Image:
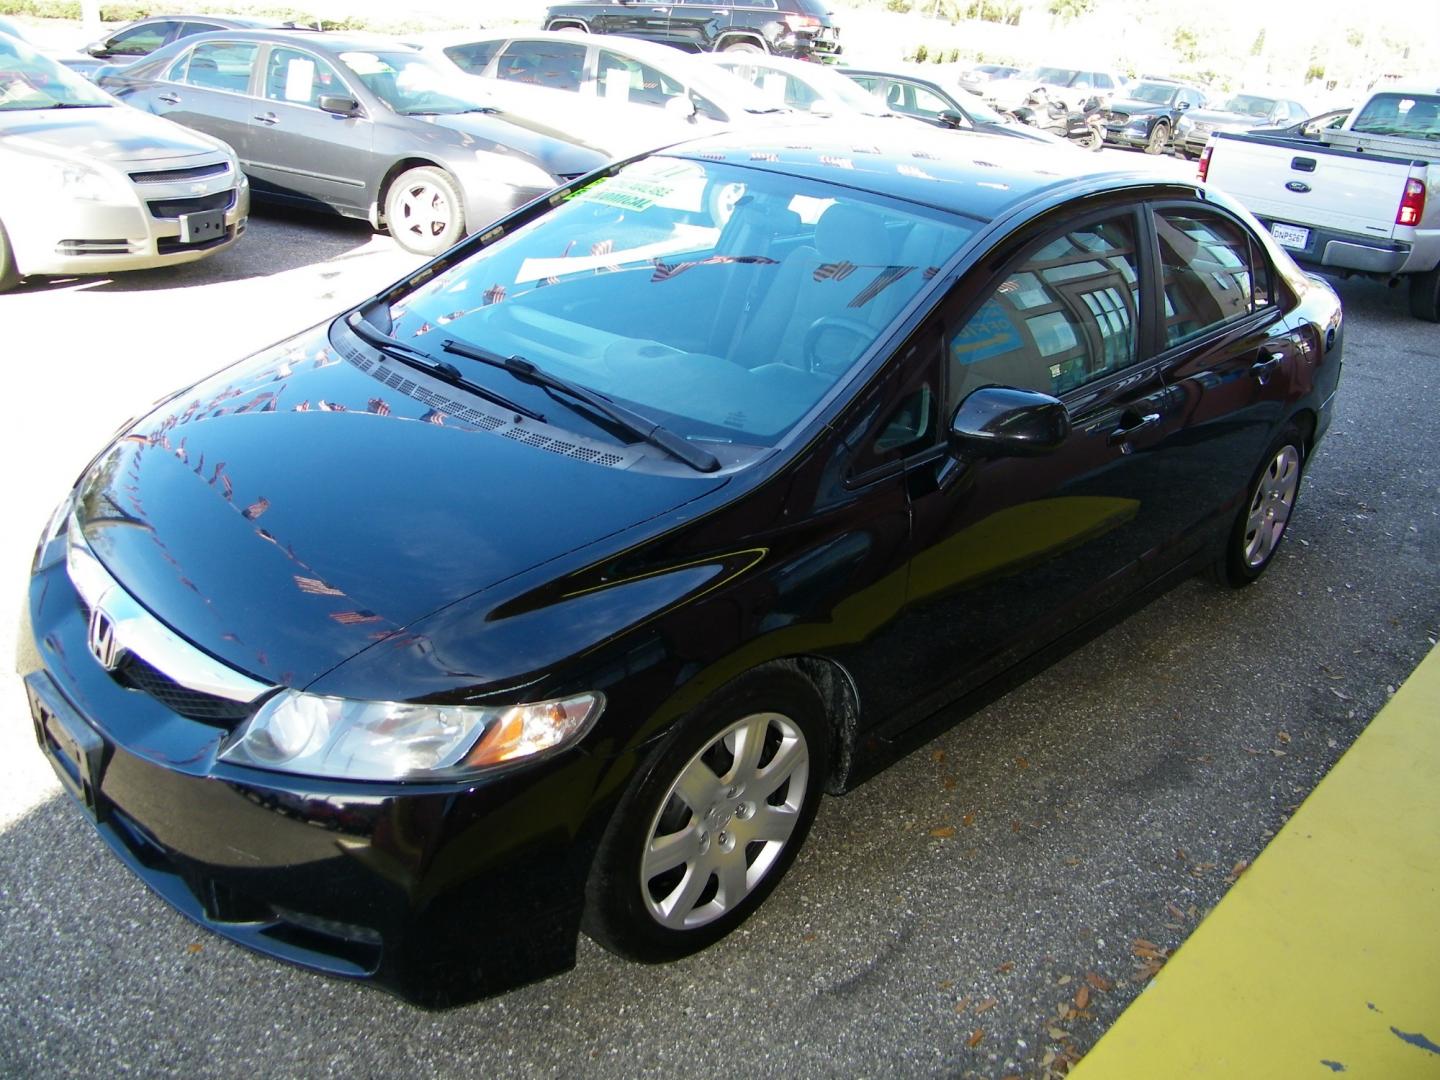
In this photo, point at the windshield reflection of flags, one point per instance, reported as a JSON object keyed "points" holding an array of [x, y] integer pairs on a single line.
{"points": [[882, 281], [665, 271]]}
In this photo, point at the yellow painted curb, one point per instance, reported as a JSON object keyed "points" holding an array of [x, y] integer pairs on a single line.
{"points": [[1324, 958]]}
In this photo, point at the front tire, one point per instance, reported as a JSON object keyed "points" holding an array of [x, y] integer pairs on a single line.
{"points": [[424, 210], [1159, 138], [712, 820], [9, 275], [742, 47], [1425, 295], [1262, 521]]}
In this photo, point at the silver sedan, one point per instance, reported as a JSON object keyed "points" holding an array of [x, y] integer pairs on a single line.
{"points": [[91, 186]]}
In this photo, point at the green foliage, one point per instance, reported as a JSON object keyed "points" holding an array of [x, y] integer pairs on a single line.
{"points": [[901, 6], [123, 11], [921, 52], [1259, 46]]}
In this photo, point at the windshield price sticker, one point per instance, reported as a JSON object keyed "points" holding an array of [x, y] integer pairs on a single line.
{"points": [[623, 194]]}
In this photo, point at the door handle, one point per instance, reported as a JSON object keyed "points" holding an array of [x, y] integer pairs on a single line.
{"points": [[1263, 368], [169, 99], [268, 118], [1137, 425]]}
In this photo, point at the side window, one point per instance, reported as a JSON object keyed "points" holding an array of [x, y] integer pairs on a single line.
{"points": [[1206, 270], [475, 56], [558, 65], [621, 79], [140, 40], [189, 28], [1065, 313], [221, 65], [1083, 81], [868, 83], [922, 102], [1104, 82], [299, 78]]}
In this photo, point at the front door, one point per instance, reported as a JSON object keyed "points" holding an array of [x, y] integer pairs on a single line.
{"points": [[1010, 553]]}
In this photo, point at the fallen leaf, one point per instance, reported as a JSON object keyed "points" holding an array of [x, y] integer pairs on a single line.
{"points": [[1174, 911], [1005, 968], [948, 783], [1015, 826], [1278, 753], [1252, 753], [1047, 1059], [1182, 854], [1339, 693], [1074, 860], [968, 819], [1097, 981], [1063, 1011], [937, 755], [1082, 997], [986, 1005], [962, 1004], [942, 831], [1144, 943], [1058, 1033], [1205, 759], [193, 947], [1062, 980], [1022, 763], [810, 937], [1236, 870], [975, 1037], [1283, 736], [946, 984]]}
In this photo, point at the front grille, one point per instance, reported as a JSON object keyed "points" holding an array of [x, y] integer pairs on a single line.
{"points": [[173, 208], [93, 247], [179, 176], [194, 704]]}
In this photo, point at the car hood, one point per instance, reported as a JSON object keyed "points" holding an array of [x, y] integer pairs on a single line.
{"points": [[1137, 108], [294, 510], [115, 134], [559, 156]]}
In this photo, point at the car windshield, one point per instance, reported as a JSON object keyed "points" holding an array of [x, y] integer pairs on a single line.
{"points": [[723, 301], [982, 113], [779, 86], [30, 81], [1153, 93], [1417, 116], [410, 84], [1249, 105], [1055, 76]]}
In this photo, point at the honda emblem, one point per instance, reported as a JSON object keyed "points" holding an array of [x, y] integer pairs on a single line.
{"points": [[101, 640]]}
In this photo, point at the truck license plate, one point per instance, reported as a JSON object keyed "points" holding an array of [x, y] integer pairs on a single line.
{"points": [[198, 228], [1290, 236]]}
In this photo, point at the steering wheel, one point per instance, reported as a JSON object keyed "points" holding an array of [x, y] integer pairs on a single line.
{"points": [[819, 364]]}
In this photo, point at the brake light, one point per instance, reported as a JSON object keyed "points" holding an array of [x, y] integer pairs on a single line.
{"points": [[1205, 162], [796, 23], [1412, 204]]}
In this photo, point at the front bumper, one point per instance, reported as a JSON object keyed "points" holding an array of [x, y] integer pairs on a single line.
{"points": [[438, 893], [1125, 135], [75, 236]]}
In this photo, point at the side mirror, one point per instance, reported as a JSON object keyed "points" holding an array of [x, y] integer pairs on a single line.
{"points": [[1182, 106], [1001, 421], [681, 106], [338, 104], [953, 119], [96, 49]]}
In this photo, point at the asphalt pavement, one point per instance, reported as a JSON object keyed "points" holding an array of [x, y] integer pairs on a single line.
{"points": [[942, 920]]}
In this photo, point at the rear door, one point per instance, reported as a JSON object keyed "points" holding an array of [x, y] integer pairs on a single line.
{"points": [[208, 89]]}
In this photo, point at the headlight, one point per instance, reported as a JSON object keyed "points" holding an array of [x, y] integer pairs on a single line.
{"points": [[80, 181], [516, 172], [54, 528], [388, 740]]}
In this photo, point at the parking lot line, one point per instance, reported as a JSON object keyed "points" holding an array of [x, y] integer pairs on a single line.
{"points": [[1324, 956]]}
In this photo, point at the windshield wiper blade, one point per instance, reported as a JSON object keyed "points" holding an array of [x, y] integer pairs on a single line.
{"points": [[640, 426], [441, 369]]}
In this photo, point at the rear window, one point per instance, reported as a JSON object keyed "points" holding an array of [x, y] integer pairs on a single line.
{"points": [[1413, 115]]}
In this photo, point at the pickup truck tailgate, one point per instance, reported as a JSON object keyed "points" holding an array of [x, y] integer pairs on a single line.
{"points": [[1312, 184]]}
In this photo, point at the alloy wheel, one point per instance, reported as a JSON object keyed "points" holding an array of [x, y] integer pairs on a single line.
{"points": [[1270, 506], [725, 821]]}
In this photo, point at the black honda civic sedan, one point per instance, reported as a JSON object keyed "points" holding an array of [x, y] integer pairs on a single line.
{"points": [[548, 589]]}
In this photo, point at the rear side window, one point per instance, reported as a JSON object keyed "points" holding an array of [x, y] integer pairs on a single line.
{"points": [[1207, 265], [557, 65], [1065, 314], [140, 40], [625, 80], [221, 65], [475, 56], [300, 78]]}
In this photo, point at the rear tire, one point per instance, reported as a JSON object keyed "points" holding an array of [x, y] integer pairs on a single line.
{"points": [[1262, 521], [424, 210], [9, 275], [1159, 138], [742, 47], [711, 821], [1425, 295], [1095, 141]]}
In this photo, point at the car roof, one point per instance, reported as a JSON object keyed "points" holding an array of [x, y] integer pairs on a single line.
{"points": [[975, 174], [639, 48], [238, 22], [326, 41]]}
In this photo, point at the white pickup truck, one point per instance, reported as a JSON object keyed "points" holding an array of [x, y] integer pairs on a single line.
{"points": [[1363, 198]]}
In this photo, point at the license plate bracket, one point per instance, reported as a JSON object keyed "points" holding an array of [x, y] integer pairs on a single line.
{"points": [[1290, 236], [74, 749], [201, 227]]}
